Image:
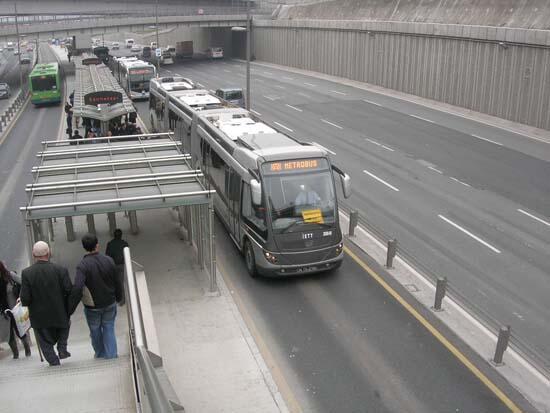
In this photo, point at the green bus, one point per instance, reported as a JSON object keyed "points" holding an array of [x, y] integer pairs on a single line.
{"points": [[45, 84]]}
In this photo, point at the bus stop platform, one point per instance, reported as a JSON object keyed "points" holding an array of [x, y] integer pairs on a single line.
{"points": [[208, 354]]}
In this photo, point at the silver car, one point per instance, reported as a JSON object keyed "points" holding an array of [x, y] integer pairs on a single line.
{"points": [[4, 91]]}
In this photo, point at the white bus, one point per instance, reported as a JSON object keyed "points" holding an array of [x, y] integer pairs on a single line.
{"points": [[134, 76], [275, 195]]}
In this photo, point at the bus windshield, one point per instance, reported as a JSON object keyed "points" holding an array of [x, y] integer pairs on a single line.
{"points": [[299, 192], [139, 78], [44, 83]]}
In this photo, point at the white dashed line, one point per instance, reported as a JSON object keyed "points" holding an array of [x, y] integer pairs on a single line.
{"points": [[259, 80], [381, 180], [435, 170], [332, 124], [283, 126], [303, 94], [371, 141], [279, 87], [270, 98], [371, 102], [487, 140], [448, 221], [324, 147], [227, 71], [256, 113], [388, 148], [421, 118], [339, 93], [310, 84], [268, 73], [460, 182], [288, 78], [200, 85], [294, 107], [534, 217]]}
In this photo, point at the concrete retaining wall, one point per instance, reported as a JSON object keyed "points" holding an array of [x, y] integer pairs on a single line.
{"points": [[480, 68]]}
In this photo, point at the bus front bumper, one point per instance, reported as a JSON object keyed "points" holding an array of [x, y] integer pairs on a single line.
{"points": [[267, 269]]}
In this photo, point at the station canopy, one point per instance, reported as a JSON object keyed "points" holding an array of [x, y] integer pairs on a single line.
{"points": [[122, 173], [97, 94]]}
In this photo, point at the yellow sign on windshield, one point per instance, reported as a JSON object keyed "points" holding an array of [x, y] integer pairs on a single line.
{"points": [[313, 216]]}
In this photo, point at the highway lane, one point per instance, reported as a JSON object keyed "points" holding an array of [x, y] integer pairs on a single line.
{"points": [[344, 345], [9, 73], [17, 156], [479, 186]]}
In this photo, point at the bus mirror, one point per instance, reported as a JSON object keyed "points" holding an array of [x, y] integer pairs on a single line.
{"points": [[256, 189], [346, 185]]}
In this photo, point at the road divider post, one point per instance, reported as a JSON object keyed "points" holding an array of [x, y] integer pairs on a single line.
{"points": [[440, 291], [502, 345], [391, 252], [353, 220]]}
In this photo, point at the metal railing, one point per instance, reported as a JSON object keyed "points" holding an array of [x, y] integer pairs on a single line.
{"points": [[150, 396]]}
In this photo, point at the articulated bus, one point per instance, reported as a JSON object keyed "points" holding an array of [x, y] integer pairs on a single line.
{"points": [[134, 76], [45, 84], [275, 195]]}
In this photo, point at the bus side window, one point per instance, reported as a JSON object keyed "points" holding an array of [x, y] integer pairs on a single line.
{"points": [[152, 101], [252, 214]]}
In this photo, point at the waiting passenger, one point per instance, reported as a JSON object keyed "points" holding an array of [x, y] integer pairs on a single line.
{"points": [[115, 250], [75, 136]]}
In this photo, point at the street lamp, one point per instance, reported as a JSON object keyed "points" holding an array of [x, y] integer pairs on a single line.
{"points": [[158, 45], [247, 29], [18, 48]]}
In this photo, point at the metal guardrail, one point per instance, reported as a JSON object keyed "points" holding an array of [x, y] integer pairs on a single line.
{"points": [[12, 110], [151, 397]]}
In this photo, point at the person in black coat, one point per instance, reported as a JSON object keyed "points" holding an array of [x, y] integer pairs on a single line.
{"points": [[115, 250], [45, 290]]}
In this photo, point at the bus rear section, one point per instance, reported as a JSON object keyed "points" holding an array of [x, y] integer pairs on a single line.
{"points": [[45, 84]]}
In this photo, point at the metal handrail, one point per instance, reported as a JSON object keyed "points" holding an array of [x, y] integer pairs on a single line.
{"points": [[158, 401]]}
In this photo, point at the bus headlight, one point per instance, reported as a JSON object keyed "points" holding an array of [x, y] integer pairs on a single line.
{"points": [[339, 248], [270, 257]]}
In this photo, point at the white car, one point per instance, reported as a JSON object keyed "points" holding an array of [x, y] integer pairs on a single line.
{"points": [[115, 46], [135, 49]]}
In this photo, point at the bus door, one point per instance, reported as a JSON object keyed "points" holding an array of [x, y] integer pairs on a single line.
{"points": [[234, 197]]}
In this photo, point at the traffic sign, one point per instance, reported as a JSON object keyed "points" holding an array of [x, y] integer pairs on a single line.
{"points": [[158, 52]]}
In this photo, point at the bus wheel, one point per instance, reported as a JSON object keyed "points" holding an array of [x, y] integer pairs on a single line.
{"points": [[250, 260]]}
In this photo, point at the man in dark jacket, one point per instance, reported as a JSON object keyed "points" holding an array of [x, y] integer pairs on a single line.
{"points": [[115, 250], [45, 289], [99, 288]]}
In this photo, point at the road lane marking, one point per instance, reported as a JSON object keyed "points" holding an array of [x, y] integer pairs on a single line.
{"points": [[200, 85], [268, 73], [371, 141], [304, 95], [381, 180], [258, 80], [310, 84], [283, 126], [324, 147], [339, 93], [486, 140], [421, 118], [436, 333], [460, 182], [534, 217], [279, 87], [270, 98], [227, 71], [288, 78], [388, 148], [371, 102], [256, 113], [435, 170], [333, 124], [448, 221], [294, 107]]}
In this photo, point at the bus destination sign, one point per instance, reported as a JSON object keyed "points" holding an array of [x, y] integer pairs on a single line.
{"points": [[103, 97], [300, 164]]}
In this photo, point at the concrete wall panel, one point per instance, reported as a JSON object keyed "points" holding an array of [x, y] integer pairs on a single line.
{"points": [[510, 81]]}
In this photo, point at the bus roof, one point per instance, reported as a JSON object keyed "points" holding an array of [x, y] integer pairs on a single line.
{"points": [[198, 98], [42, 69], [170, 84]]}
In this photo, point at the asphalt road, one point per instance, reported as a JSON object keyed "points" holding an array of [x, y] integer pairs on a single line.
{"points": [[465, 200], [17, 156]]}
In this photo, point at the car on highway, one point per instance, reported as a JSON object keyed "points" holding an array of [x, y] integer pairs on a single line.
{"points": [[5, 92], [135, 49], [26, 59], [29, 48], [15, 52], [115, 46], [214, 53]]}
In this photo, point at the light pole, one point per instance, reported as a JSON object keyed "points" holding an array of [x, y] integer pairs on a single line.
{"points": [[248, 54], [18, 48], [158, 45]]}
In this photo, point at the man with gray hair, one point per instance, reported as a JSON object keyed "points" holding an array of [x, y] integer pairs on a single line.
{"points": [[45, 290]]}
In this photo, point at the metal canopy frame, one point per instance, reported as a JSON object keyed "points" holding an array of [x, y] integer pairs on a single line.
{"points": [[115, 174], [97, 78]]}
